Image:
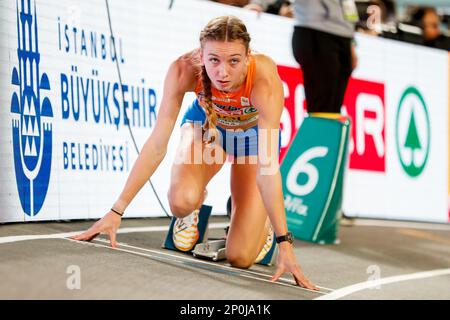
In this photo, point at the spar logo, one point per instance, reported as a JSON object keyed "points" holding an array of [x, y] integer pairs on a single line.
{"points": [[412, 132], [364, 103], [31, 113]]}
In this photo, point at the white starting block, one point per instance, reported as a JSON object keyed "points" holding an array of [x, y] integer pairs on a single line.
{"points": [[211, 250]]}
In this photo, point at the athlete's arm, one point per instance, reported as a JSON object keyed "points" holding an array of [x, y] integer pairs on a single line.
{"points": [[268, 97], [179, 80]]}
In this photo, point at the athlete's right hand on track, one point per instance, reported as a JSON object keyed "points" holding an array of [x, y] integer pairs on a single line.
{"points": [[109, 225]]}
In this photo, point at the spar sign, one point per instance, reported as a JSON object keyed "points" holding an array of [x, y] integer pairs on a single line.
{"points": [[365, 104], [397, 164], [399, 106]]}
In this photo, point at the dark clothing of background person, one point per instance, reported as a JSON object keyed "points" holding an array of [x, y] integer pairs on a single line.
{"points": [[322, 45]]}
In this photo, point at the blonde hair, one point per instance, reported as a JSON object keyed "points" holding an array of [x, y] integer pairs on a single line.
{"points": [[225, 28]]}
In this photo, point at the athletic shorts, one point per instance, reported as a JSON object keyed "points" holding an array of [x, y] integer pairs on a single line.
{"points": [[236, 143]]}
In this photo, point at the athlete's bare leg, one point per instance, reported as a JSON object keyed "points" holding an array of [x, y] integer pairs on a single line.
{"points": [[249, 219], [189, 179]]}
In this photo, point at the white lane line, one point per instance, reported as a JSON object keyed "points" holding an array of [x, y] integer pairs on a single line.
{"points": [[157, 255], [10, 239], [290, 282], [397, 224], [339, 293]]}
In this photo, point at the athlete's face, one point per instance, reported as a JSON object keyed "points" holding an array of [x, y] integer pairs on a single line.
{"points": [[225, 63]]}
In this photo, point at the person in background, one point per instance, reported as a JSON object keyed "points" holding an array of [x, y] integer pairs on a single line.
{"points": [[428, 20], [279, 7], [323, 45], [236, 3]]}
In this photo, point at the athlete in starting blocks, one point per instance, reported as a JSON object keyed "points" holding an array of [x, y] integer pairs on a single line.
{"points": [[236, 115]]}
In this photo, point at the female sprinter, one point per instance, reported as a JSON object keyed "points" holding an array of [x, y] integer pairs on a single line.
{"points": [[239, 98]]}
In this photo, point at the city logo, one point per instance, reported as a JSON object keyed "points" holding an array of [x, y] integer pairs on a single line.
{"points": [[412, 132], [31, 113]]}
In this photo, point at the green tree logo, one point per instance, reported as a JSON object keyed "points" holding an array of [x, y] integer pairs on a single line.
{"points": [[412, 139], [412, 132]]}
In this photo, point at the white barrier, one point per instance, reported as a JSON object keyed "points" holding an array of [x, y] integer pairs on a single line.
{"points": [[400, 146], [66, 150]]}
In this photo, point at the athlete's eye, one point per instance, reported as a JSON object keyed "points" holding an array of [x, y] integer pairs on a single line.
{"points": [[213, 60], [234, 61]]}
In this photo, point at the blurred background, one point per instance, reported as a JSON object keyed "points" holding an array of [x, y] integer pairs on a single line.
{"points": [[424, 22]]}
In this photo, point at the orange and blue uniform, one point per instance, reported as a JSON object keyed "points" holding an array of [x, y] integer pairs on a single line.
{"points": [[237, 118]]}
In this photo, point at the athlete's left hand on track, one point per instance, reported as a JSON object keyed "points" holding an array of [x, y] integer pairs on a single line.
{"points": [[287, 262]]}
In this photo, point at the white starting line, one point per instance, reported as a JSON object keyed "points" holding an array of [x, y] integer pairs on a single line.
{"points": [[212, 266], [10, 239]]}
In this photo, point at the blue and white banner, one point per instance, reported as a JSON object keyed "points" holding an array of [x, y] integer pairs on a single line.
{"points": [[65, 144]]}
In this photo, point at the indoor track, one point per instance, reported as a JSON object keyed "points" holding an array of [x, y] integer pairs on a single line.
{"points": [[375, 260]]}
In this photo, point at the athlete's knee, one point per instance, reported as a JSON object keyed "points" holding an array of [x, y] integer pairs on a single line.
{"points": [[183, 201], [239, 259]]}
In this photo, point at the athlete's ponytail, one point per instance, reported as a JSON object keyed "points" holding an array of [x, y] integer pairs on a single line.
{"points": [[211, 116]]}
